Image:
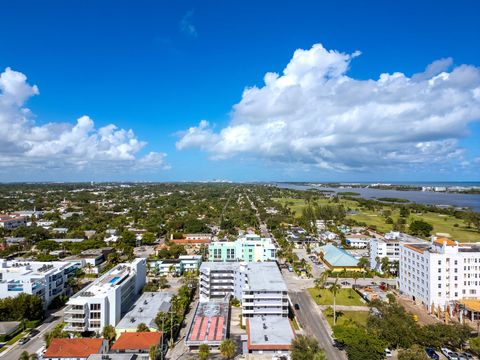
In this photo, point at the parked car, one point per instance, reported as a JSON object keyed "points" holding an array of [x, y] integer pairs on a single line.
{"points": [[24, 340], [296, 306], [468, 356], [431, 353], [388, 353], [446, 351], [454, 356], [33, 333], [338, 344]]}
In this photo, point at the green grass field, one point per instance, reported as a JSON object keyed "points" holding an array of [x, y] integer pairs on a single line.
{"points": [[343, 297], [343, 317], [441, 223]]}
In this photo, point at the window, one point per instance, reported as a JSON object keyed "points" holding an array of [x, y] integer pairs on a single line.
{"points": [[230, 254], [439, 286], [439, 262], [95, 307]]}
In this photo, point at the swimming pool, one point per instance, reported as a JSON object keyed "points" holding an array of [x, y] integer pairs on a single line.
{"points": [[114, 280]]}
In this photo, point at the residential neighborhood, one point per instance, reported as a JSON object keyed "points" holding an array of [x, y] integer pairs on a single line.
{"points": [[233, 281]]}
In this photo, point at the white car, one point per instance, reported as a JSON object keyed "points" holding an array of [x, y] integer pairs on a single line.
{"points": [[388, 353], [446, 351]]}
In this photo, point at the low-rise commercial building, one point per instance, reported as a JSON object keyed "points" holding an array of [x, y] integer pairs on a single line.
{"points": [[103, 302], [10, 222], [269, 335], [47, 280], [247, 248], [337, 259], [440, 273], [209, 324], [144, 311]]}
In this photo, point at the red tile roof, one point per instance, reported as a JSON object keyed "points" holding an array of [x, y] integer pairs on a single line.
{"points": [[446, 241], [73, 348], [137, 340]]}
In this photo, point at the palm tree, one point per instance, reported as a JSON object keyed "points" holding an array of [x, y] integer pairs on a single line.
{"points": [[363, 263], [203, 352], [109, 333], [228, 349], [334, 288], [320, 282], [355, 276], [153, 352]]}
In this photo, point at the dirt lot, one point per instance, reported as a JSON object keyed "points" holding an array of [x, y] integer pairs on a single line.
{"points": [[424, 318]]}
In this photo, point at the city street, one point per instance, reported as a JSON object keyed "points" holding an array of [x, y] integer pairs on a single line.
{"points": [[314, 324], [37, 342]]}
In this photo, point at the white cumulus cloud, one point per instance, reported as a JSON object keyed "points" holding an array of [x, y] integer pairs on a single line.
{"points": [[25, 145], [315, 114]]}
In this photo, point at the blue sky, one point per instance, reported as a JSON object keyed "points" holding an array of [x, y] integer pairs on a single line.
{"points": [[160, 67]]}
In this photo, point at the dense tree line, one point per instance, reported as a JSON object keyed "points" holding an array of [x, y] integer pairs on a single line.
{"points": [[22, 307]]}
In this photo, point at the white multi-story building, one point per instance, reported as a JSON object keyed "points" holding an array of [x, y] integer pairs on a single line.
{"points": [[358, 241], [11, 222], [103, 302], [47, 280], [179, 266], [248, 248], [439, 273], [259, 286], [389, 247]]}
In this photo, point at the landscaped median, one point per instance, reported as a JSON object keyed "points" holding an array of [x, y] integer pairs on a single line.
{"points": [[347, 297]]}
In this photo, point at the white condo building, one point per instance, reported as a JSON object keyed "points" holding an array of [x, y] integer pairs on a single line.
{"points": [[47, 280], [259, 286], [439, 273], [105, 300], [389, 247]]}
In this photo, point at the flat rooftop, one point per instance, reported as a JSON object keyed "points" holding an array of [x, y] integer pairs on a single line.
{"points": [[102, 285], [220, 266], [209, 324], [145, 309], [19, 270], [265, 276], [269, 333]]}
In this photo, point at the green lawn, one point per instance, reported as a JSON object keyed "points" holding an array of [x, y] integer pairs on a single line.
{"points": [[441, 223], [16, 338], [358, 317], [343, 297]]}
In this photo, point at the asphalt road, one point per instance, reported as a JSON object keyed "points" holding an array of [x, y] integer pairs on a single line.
{"points": [[313, 324], [37, 342]]}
